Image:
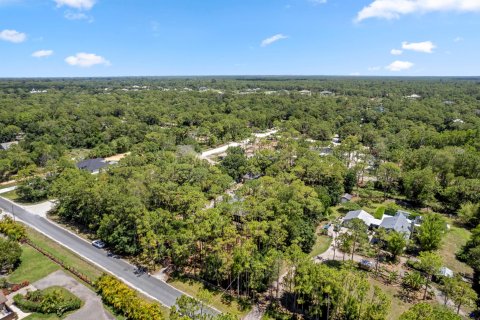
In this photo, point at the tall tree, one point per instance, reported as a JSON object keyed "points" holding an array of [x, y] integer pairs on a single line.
{"points": [[388, 175], [430, 263], [430, 233]]}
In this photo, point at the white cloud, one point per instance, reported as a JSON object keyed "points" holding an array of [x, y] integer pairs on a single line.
{"points": [[86, 60], [396, 52], [76, 4], [399, 66], [77, 16], [393, 9], [12, 36], [376, 68], [273, 39], [315, 2], [458, 39], [426, 46], [42, 53]]}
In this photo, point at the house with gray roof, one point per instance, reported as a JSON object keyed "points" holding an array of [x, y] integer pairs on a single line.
{"points": [[399, 222], [366, 217], [92, 165]]}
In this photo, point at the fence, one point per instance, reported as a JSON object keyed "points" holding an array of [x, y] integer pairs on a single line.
{"points": [[72, 270]]}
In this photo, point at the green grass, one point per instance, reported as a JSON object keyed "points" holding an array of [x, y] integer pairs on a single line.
{"points": [[321, 244], [11, 195], [65, 255], [40, 316], [397, 306], [72, 259], [192, 288], [34, 266], [453, 241]]}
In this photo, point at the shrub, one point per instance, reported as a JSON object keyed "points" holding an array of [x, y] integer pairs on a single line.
{"points": [[118, 295], [10, 252], [379, 212], [13, 230], [51, 300]]}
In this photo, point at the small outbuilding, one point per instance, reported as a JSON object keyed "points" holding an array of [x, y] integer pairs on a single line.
{"points": [[346, 198], [445, 272]]}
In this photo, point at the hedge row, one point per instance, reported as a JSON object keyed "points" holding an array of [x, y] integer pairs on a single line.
{"points": [[125, 301]]}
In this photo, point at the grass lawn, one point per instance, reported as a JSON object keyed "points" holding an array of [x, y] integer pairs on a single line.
{"points": [[65, 255], [455, 238], [11, 195], [397, 306], [321, 244], [34, 266], [40, 316], [192, 288]]}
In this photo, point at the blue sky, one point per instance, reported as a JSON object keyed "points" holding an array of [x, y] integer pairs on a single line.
{"points": [[44, 38]]}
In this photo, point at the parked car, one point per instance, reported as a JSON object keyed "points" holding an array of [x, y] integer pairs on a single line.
{"points": [[98, 244], [366, 265]]}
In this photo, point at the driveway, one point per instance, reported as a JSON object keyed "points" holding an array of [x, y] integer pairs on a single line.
{"points": [[92, 308]]}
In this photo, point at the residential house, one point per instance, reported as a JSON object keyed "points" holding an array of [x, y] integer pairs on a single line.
{"points": [[413, 96], [305, 92], [367, 218], [399, 222], [93, 165], [326, 93], [7, 145]]}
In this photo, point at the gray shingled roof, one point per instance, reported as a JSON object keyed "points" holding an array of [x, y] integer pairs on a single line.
{"points": [[347, 196], [92, 165], [399, 223]]}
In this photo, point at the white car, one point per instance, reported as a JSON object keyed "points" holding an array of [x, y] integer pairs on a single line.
{"points": [[98, 244]]}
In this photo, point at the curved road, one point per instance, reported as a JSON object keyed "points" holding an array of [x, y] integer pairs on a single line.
{"points": [[150, 286]]}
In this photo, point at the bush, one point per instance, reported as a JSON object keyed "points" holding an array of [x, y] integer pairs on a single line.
{"points": [[123, 299], [10, 252], [391, 208], [13, 230], [33, 189], [379, 212], [350, 206], [51, 300]]}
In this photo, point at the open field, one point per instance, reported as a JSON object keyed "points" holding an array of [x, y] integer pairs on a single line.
{"points": [[453, 241], [397, 306]]}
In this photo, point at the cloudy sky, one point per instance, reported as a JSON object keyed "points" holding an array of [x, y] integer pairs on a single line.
{"points": [[211, 37]]}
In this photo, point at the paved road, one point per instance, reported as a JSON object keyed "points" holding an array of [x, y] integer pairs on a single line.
{"points": [[150, 286]]}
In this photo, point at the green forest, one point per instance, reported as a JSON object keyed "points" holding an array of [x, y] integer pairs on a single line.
{"points": [[248, 218]]}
